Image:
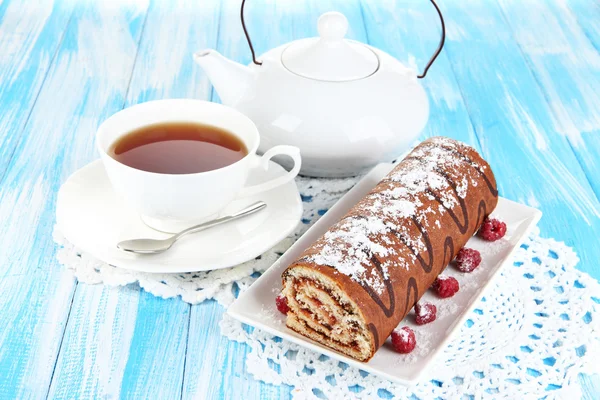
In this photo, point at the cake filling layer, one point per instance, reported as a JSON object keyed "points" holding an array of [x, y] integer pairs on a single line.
{"points": [[318, 310]]}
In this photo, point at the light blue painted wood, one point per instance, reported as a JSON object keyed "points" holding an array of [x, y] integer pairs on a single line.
{"points": [[28, 42], [156, 355], [566, 66], [80, 89], [126, 343], [587, 17], [164, 66], [215, 366], [95, 347]]}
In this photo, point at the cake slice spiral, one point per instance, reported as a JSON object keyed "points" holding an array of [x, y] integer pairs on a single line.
{"points": [[354, 285]]}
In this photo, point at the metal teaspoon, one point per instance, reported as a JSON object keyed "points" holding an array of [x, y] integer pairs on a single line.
{"points": [[155, 246]]}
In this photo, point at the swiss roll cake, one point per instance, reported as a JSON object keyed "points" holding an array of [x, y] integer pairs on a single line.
{"points": [[354, 285]]}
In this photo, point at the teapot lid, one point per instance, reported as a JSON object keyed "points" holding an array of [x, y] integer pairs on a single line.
{"points": [[330, 57]]}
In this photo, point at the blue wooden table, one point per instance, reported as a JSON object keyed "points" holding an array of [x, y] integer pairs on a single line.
{"points": [[518, 79]]}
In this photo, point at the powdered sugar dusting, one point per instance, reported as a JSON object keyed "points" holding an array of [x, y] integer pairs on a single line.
{"points": [[424, 311], [350, 247], [467, 264], [447, 307], [461, 188], [271, 315], [430, 172], [403, 333]]}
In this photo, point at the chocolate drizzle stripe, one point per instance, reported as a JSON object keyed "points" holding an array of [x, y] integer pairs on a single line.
{"points": [[462, 227], [387, 311], [388, 284], [411, 285], [373, 330], [448, 245], [466, 158], [481, 214], [401, 237], [427, 266], [463, 206]]}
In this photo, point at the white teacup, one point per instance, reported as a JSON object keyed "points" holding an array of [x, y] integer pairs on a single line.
{"points": [[172, 202]]}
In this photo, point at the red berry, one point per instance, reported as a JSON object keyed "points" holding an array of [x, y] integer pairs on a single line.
{"points": [[426, 313], [492, 229], [445, 286], [467, 259], [281, 302], [404, 340]]}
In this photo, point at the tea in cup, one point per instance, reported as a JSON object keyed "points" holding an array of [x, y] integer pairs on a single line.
{"points": [[179, 162]]}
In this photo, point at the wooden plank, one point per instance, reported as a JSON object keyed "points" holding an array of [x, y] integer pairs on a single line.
{"points": [[122, 342], [148, 343], [165, 68], [588, 17], [215, 366], [29, 36], [154, 368], [95, 347], [86, 83], [566, 65]]}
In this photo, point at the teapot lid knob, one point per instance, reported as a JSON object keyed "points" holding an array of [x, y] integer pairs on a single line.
{"points": [[330, 57], [332, 26]]}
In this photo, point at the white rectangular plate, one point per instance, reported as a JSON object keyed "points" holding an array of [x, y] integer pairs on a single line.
{"points": [[256, 306]]}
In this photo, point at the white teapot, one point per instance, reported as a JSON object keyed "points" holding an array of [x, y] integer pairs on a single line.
{"points": [[346, 105]]}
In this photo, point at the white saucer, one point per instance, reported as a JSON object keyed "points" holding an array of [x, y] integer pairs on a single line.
{"points": [[94, 218], [256, 306]]}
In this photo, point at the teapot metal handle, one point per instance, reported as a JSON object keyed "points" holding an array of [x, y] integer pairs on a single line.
{"points": [[440, 46], [429, 63], [247, 35]]}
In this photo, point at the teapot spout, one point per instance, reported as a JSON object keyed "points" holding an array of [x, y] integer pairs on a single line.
{"points": [[230, 79]]}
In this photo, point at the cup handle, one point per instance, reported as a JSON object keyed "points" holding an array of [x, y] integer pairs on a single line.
{"points": [[263, 162]]}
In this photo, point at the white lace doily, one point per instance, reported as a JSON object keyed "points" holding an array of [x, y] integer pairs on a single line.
{"points": [[534, 332], [317, 195], [530, 337]]}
